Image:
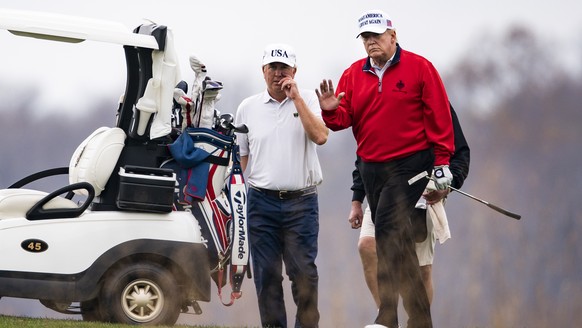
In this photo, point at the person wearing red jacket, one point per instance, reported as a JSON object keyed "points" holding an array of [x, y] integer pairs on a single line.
{"points": [[396, 104]]}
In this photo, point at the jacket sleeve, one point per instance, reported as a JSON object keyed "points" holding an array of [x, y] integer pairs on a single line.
{"points": [[359, 193], [461, 158], [438, 121]]}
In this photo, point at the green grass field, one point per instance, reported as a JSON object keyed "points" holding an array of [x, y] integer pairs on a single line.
{"points": [[23, 322]]}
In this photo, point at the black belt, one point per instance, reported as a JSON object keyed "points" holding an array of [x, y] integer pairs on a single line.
{"points": [[287, 194]]}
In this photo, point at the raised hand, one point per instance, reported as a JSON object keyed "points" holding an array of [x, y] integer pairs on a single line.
{"points": [[326, 96]]}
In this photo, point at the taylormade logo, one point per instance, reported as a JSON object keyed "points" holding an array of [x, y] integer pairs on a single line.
{"points": [[241, 201]]}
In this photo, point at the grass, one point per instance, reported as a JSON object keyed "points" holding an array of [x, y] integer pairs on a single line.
{"points": [[24, 322]]}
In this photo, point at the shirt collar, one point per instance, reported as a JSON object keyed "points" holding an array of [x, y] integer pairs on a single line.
{"points": [[393, 60], [388, 63], [267, 98]]}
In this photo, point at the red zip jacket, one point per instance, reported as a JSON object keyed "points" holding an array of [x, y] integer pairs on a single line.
{"points": [[408, 111]]}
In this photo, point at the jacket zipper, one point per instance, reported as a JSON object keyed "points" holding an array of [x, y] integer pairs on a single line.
{"points": [[379, 80]]}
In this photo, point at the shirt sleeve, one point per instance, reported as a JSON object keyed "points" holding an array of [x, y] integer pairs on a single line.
{"points": [[241, 138], [312, 102], [359, 193], [438, 121]]}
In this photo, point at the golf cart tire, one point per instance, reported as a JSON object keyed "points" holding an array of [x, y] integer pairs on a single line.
{"points": [[91, 310], [141, 294]]}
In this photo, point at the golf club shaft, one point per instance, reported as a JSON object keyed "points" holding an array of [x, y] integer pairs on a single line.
{"points": [[494, 207]]}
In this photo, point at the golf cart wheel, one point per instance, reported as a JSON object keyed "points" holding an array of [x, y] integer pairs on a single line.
{"points": [[90, 310], [144, 294]]}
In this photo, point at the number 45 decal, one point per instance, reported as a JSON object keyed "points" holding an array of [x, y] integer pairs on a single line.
{"points": [[34, 245]]}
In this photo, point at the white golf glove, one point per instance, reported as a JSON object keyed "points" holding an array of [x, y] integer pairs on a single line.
{"points": [[442, 177]]}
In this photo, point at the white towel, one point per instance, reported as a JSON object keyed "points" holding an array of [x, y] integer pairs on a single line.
{"points": [[439, 221], [439, 217]]}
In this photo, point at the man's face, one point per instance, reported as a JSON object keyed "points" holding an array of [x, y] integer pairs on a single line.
{"points": [[273, 74], [380, 47]]}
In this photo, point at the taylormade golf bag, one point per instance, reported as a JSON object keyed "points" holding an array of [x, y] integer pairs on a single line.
{"points": [[211, 183]]}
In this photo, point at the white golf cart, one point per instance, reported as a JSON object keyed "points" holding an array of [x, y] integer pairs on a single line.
{"points": [[111, 245]]}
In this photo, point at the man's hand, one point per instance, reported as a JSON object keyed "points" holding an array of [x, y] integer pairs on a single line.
{"points": [[442, 177], [289, 86], [326, 96], [356, 215], [434, 196]]}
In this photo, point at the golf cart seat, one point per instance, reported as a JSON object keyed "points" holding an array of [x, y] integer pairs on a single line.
{"points": [[95, 158], [89, 170]]}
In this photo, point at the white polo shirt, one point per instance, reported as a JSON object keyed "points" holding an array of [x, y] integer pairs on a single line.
{"points": [[281, 156]]}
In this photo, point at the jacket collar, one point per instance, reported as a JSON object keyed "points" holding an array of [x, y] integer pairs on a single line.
{"points": [[368, 64]]}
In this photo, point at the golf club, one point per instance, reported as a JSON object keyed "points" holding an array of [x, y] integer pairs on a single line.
{"points": [[492, 206]]}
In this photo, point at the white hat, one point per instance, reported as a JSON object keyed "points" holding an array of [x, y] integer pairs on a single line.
{"points": [[281, 53], [375, 21]]}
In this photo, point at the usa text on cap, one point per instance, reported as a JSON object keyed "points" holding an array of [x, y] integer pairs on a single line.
{"points": [[375, 21], [280, 53]]}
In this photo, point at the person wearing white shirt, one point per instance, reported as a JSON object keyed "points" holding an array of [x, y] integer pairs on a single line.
{"points": [[282, 170]]}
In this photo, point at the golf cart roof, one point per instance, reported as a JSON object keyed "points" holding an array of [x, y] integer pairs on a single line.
{"points": [[64, 28], [151, 63]]}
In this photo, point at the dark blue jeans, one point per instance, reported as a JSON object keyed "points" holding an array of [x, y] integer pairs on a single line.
{"points": [[392, 201], [284, 231]]}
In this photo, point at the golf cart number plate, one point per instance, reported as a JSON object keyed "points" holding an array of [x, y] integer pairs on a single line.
{"points": [[34, 245]]}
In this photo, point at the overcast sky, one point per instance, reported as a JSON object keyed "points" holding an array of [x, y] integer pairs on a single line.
{"points": [[229, 37]]}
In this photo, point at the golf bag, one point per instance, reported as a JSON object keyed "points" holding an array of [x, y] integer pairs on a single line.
{"points": [[211, 185]]}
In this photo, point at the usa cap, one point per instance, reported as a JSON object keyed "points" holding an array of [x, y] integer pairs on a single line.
{"points": [[280, 53]]}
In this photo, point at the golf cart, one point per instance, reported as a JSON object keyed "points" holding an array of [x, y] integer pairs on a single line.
{"points": [[118, 243]]}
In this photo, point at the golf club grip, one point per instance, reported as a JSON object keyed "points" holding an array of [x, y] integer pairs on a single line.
{"points": [[502, 211]]}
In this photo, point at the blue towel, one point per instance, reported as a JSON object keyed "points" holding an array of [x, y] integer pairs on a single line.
{"points": [[191, 160]]}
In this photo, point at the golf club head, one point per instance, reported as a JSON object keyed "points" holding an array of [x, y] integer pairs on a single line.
{"points": [[196, 65], [210, 85], [225, 123], [183, 85], [241, 128]]}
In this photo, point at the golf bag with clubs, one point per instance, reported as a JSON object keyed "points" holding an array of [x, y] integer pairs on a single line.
{"points": [[211, 183]]}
